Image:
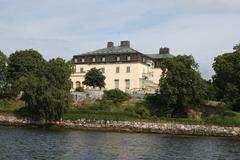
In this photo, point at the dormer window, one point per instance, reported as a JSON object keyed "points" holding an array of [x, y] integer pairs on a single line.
{"points": [[103, 59], [118, 58], [75, 60], [144, 60]]}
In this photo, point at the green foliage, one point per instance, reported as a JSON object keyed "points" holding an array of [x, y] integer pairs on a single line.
{"points": [[237, 47], [74, 114], [142, 111], [48, 95], [159, 105], [44, 100], [23, 64], [9, 107], [116, 95], [227, 78], [94, 78], [58, 72], [3, 72], [210, 92], [180, 86], [79, 89], [104, 104]]}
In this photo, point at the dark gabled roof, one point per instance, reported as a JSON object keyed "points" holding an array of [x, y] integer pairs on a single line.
{"points": [[111, 50], [123, 50], [159, 56]]}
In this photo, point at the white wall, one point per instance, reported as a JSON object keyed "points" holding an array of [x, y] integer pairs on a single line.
{"points": [[136, 71]]}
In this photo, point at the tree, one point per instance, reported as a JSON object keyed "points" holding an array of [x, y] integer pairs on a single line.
{"points": [[23, 64], [94, 78], [237, 47], [227, 78], [3, 70], [48, 95], [180, 84], [58, 72], [209, 90]]}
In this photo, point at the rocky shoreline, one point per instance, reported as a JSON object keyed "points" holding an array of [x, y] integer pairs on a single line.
{"points": [[131, 126]]}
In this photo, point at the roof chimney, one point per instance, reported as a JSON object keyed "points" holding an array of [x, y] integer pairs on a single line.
{"points": [[125, 44], [164, 50], [110, 44]]}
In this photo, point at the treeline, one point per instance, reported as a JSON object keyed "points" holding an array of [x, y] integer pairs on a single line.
{"points": [[43, 85], [181, 85]]}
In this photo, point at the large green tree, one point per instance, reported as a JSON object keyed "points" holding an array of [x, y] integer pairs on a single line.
{"points": [[94, 78], [180, 84], [23, 64], [48, 95], [3, 71], [227, 78], [58, 72], [237, 47]]}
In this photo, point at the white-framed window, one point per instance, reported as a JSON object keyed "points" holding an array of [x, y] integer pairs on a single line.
{"points": [[116, 83], [83, 60], [117, 70], [81, 70], [127, 83], [128, 58], [128, 69], [75, 60], [103, 59], [118, 58], [93, 59]]}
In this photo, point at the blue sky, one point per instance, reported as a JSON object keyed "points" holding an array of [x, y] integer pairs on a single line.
{"points": [[62, 28]]}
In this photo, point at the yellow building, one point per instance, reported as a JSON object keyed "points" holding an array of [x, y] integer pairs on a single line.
{"points": [[124, 68]]}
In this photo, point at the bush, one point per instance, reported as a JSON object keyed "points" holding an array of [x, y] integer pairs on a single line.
{"points": [[104, 104], [159, 105], [142, 111], [116, 95], [79, 89]]}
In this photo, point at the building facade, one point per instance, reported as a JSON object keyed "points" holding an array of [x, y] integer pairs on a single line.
{"points": [[124, 68]]}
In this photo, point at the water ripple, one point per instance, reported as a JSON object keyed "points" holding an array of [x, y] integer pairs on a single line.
{"points": [[41, 144]]}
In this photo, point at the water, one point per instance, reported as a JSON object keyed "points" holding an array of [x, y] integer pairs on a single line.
{"points": [[27, 144]]}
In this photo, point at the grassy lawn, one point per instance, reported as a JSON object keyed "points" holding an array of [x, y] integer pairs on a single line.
{"points": [[9, 107], [228, 120], [231, 119], [124, 113]]}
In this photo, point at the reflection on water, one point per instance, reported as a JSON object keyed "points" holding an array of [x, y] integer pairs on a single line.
{"points": [[25, 143]]}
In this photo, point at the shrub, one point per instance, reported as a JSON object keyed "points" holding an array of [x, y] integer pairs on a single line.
{"points": [[116, 95], [103, 104], [79, 89], [142, 111], [159, 105]]}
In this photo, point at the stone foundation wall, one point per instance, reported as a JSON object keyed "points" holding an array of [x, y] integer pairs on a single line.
{"points": [[86, 95], [132, 126]]}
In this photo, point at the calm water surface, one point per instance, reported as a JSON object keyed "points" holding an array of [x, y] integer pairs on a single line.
{"points": [[25, 143]]}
